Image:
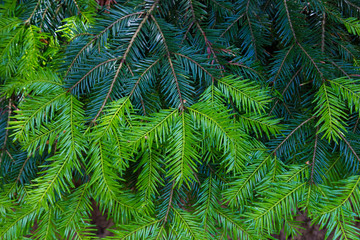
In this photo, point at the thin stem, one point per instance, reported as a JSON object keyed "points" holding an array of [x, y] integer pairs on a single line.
{"points": [[291, 133], [97, 36], [282, 63], [124, 58], [251, 30], [170, 202], [230, 26], [91, 70], [312, 61], [349, 145], [289, 19], [6, 132], [192, 60], [314, 157], [286, 88], [323, 33], [244, 66], [187, 31], [356, 124], [171, 63]]}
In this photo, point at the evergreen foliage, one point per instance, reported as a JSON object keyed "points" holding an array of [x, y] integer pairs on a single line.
{"points": [[182, 119]]}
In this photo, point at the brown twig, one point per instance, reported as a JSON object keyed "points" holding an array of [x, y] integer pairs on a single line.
{"points": [[314, 156]]}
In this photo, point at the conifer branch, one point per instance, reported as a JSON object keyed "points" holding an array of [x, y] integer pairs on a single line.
{"points": [[97, 36], [91, 70], [171, 63], [170, 202], [292, 132], [285, 89], [123, 59], [231, 25], [198, 64], [340, 68], [250, 28], [244, 66], [314, 157], [356, 124], [142, 75], [282, 63], [352, 4], [349, 145], [290, 22], [6, 132], [323, 33], [312, 61]]}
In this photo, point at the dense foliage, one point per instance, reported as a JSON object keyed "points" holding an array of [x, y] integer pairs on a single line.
{"points": [[182, 119]]}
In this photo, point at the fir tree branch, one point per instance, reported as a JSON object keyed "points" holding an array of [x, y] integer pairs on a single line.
{"points": [[323, 33], [142, 75], [342, 70], [187, 31], [352, 4], [312, 61], [170, 202], [285, 89], [222, 6], [251, 30], [282, 63], [198, 64], [27, 21], [314, 157], [97, 36], [290, 22], [280, 201], [356, 124], [124, 58], [91, 70], [231, 25], [349, 145], [171, 63], [244, 66], [6, 132], [292, 132], [22, 169]]}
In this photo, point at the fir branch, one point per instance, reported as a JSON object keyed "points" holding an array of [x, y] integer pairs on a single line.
{"points": [[314, 157], [27, 21], [340, 68], [282, 63], [6, 132], [323, 33], [352, 4], [290, 22], [231, 25], [124, 58], [170, 62], [91, 70], [250, 28], [142, 75], [97, 36], [198, 64], [170, 202], [356, 124], [244, 66], [349, 145], [292, 132], [285, 89], [312, 61]]}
